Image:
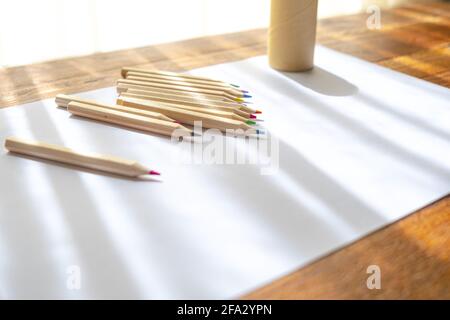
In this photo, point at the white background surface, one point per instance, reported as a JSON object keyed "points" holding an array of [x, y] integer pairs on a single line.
{"points": [[360, 146]]}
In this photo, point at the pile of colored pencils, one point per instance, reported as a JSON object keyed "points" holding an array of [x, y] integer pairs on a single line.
{"points": [[162, 102], [153, 101]]}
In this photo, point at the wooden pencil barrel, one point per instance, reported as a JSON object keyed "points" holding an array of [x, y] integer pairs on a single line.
{"points": [[63, 100], [124, 85], [215, 112], [176, 95], [179, 88], [177, 82], [125, 71], [185, 116], [189, 80], [186, 103], [126, 119], [68, 156]]}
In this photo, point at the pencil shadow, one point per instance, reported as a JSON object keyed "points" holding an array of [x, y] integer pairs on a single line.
{"points": [[322, 81], [81, 169]]}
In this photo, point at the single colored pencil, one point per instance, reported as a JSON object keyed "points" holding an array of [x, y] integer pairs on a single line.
{"points": [[63, 100], [127, 119], [109, 164]]}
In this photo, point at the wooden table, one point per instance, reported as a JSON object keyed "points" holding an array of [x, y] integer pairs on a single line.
{"points": [[414, 253]]}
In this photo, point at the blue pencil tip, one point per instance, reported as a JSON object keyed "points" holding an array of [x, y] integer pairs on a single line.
{"points": [[247, 96], [244, 91], [260, 131]]}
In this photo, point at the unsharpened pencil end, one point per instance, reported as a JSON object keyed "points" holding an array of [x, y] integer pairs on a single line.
{"points": [[154, 173]]}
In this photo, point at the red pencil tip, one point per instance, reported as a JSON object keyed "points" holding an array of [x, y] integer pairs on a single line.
{"points": [[252, 116], [156, 173], [258, 112]]}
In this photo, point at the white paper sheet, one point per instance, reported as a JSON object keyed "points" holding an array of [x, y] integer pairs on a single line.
{"points": [[359, 147]]}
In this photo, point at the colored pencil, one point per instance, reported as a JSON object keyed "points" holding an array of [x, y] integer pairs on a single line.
{"points": [[63, 100], [230, 91], [125, 71], [188, 116], [64, 155], [221, 94], [126, 119], [183, 79], [186, 101], [121, 87], [219, 113], [201, 98]]}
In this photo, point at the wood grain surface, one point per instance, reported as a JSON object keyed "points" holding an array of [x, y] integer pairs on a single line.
{"points": [[413, 254]]}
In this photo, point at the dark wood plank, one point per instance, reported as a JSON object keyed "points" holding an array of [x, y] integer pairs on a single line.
{"points": [[43, 80], [413, 255]]}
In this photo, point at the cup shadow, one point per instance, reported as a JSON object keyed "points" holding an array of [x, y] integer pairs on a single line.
{"points": [[323, 82]]}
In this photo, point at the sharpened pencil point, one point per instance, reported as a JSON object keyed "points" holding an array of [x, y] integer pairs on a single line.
{"points": [[252, 116], [234, 85], [258, 112], [260, 131], [250, 122], [154, 173], [247, 96]]}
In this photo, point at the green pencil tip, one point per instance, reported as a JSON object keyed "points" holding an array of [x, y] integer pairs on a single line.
{"points": [[250, 122]]}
